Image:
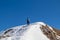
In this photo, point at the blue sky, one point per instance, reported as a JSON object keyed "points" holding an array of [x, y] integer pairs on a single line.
{"points": [[15, 12]]}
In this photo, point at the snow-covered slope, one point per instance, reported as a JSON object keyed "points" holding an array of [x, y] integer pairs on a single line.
{"points": [[33, 31]]}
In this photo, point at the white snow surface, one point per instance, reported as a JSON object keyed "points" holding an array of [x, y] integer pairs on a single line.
{"points": [[27, 32]]}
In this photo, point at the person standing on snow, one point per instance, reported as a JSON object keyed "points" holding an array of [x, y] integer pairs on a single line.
{"points": [[28, 21]]}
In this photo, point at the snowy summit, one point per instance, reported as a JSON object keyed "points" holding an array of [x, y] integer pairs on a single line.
{"points": [[34, 31]]}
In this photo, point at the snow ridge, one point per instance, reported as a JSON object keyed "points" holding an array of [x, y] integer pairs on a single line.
{"points": [[26, 32]]}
